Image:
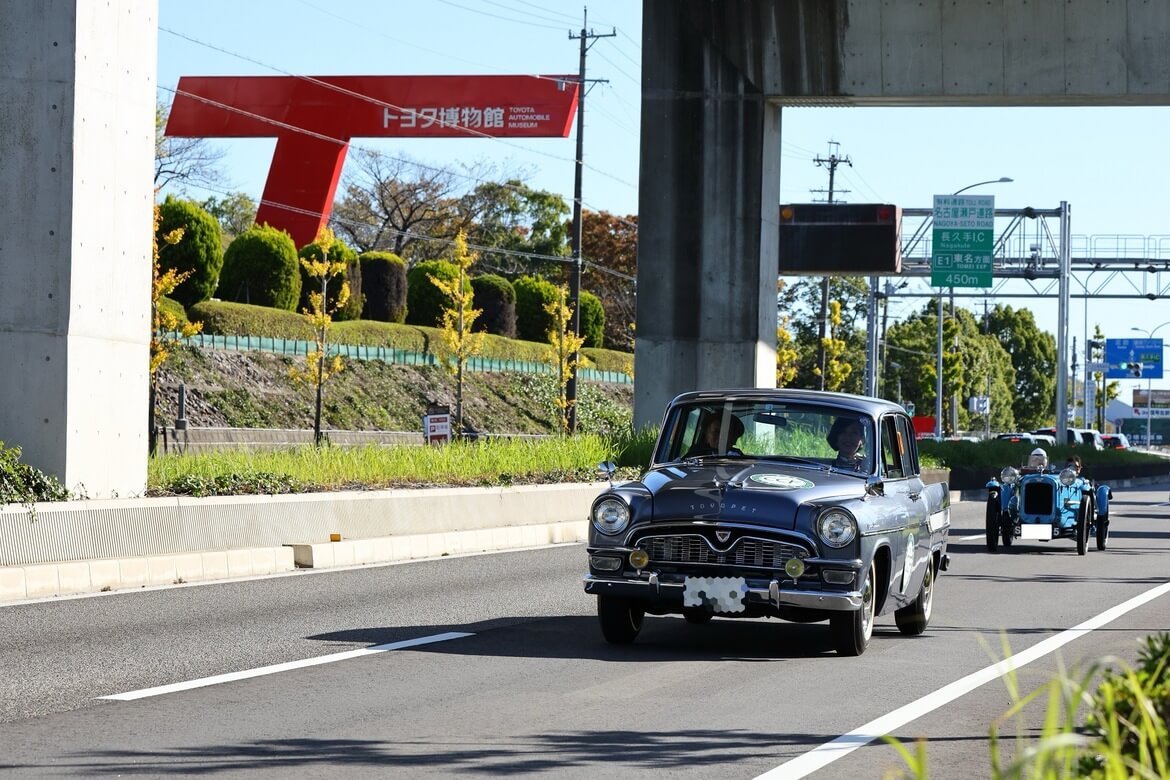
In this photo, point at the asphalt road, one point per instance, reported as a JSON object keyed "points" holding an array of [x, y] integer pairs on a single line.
{"points": [[514, 678]]}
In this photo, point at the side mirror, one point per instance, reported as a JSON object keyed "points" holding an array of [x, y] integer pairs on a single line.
{"points": [[606, 470], [875, 486]]}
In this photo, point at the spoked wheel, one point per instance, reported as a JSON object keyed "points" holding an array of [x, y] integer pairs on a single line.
{"points": [[1102, 531], [992, 524], [1083, 516], [852, 630], [621, 619], [912, 620]]}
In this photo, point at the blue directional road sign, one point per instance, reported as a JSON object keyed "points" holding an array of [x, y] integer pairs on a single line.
{"points": [[1133, 358]]}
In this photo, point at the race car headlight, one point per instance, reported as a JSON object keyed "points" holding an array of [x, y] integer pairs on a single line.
{"points": [[837, 527], [611, 516], [1009, 475], [1068, 476]]}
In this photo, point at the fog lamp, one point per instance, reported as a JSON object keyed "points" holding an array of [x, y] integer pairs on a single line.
{"points": [[794, 568], [639, 559]]}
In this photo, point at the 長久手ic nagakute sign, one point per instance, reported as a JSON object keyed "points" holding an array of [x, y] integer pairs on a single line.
{"points": [[313, 119]]}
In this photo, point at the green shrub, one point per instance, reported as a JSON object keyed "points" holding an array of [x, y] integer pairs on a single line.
{"points": [[200, 251], [532, 294], [424, 301], [20, 483], [352, 310], [495, 296], [261, 267], [592, 319], [383, 287], [174, 308], [221, 318]]}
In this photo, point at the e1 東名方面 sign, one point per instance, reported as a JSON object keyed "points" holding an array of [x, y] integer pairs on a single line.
{"points": [[962, 241], [1133, 358]]}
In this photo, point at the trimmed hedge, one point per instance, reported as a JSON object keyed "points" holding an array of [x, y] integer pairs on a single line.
{"points": [[496, 298], [532, 294], [261, 267], [352, 310], [200, 251], [383, 287], [424, 301], [592, 320]]}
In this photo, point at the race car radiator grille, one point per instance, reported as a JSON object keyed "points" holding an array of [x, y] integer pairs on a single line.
{"points": [[745, 551], [1038, 498]]}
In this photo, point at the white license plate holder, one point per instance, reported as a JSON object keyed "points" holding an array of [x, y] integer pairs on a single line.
{"points": [[1036, 532]]}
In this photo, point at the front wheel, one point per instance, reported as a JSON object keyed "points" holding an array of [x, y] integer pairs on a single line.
{"points": [[992, 524], [852, 630], [1083, 515], [621, 619], [912, 620]]}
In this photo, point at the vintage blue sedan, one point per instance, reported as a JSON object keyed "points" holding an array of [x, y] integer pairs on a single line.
{"points": [[801, 505]]}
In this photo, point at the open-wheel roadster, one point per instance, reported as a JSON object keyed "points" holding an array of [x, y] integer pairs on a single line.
{"points": [[1042, 503]]}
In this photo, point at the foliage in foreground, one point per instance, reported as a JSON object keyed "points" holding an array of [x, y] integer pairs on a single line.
{"points": [[1123, 735], [20, 483]]}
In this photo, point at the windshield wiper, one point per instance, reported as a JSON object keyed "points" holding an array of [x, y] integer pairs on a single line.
{"points": [[795, 459]]}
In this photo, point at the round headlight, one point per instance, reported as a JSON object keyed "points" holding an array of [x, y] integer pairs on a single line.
{"points": [[611, 515], [1009, 475], [1068, 476], [837, 528]]}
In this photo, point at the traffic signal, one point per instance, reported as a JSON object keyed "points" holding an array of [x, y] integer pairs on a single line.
{"points": [[1135, 369]]}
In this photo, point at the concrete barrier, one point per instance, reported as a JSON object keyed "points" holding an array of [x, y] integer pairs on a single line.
{"points": [[90, 546]]}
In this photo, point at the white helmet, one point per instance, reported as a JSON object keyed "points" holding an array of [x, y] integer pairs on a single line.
{"points": [[1038, 459]]}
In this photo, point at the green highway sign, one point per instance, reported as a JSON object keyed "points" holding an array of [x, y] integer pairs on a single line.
{"points": [[963, 240]]}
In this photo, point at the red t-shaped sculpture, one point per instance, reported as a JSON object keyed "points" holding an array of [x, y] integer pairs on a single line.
{"points": [[314, 118]]}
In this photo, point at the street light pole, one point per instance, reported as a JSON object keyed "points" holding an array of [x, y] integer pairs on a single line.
{"points": [[938, 385], [1149, 390]]}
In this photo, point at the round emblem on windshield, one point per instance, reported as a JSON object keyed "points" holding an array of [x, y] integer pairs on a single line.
{"points": [[781, 481]]}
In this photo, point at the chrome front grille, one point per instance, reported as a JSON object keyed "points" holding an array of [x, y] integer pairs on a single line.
{"points": [[1038, 497], [696, 549]]}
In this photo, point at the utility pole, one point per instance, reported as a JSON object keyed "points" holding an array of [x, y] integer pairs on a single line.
{"points": [[831, 163], [587, 38]]}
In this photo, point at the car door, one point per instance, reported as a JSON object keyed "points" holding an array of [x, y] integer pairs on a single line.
{"points": [[903, 484]]}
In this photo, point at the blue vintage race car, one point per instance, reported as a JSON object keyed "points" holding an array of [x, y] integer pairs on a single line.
{"points": [[1042, 503]]}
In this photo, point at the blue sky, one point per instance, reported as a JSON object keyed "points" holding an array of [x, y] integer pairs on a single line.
{"points": [[1109, 164]]}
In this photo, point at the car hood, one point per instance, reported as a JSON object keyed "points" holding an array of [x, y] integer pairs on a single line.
{"points": [[744, 491]]}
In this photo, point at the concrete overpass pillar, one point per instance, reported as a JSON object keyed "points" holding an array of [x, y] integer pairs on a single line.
{"points": [[708, 210], [77, 97]]}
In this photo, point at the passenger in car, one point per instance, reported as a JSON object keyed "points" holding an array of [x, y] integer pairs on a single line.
{"points": [[847, 437], [708, 441]]}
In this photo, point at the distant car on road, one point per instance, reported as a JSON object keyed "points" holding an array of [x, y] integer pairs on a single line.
{"points": [[1026, 438], [795, 504], [1076, 437], [1115, 441]]}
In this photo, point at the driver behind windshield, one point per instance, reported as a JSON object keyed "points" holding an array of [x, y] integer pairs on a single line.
{"points": [[707, 442], [847, 437]]}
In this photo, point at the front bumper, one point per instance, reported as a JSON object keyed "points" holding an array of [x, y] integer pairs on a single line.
{"points": [[653, 590]]}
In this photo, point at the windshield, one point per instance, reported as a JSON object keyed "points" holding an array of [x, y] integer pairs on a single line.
{"points": [[824, 434]]}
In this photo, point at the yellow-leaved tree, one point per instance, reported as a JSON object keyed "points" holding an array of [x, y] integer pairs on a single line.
{"points": [[836, 369], [318, 368], [166, 329], [787, 355], [457, 343], [562, 354]]}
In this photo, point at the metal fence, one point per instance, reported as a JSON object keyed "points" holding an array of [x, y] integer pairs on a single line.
{"points": [[401, 357]]}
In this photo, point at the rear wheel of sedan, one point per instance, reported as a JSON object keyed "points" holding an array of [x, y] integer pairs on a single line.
{"points": [[852, 630], [1083, 515], [992, 524], [912, 620], [621, 619]]}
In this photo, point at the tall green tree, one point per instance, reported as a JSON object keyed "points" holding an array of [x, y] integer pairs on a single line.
{"points": [[609, 247], [1033, 356], [198, 258], [235, 213], [514, 217], [799, 302]]}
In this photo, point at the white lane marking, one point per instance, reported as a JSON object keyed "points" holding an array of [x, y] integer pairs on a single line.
{"points": [[276, 668], [822, 756]]}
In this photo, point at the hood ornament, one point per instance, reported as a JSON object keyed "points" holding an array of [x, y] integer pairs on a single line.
{"points": [[723, 536]]}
